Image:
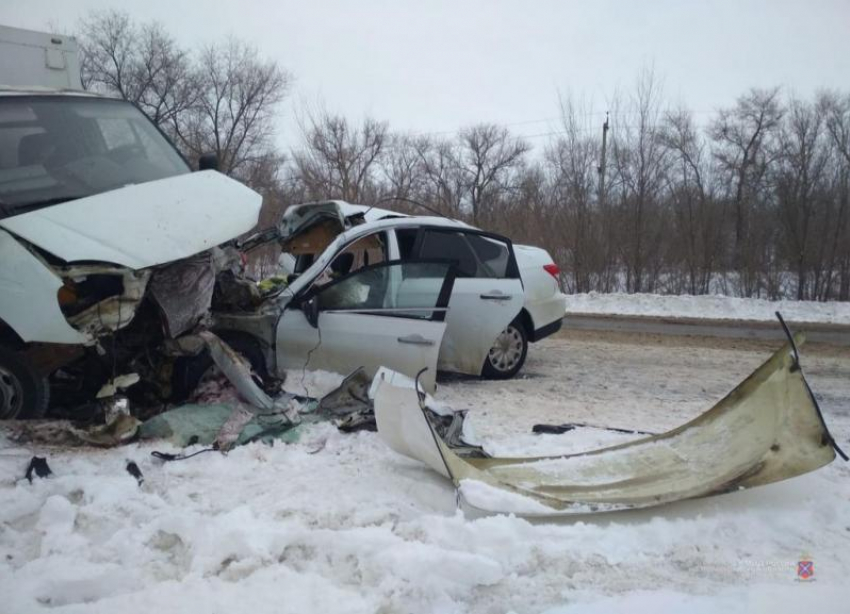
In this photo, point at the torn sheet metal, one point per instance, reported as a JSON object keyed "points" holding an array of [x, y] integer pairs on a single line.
{"points": [[351, 396], [119, 430], [184, 291], [767, 429], [237, 371]]}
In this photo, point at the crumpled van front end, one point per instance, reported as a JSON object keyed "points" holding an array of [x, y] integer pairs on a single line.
{"points": [[109, 245]]}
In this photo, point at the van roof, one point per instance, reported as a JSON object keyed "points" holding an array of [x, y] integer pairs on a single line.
{"points": [[37, 90]]}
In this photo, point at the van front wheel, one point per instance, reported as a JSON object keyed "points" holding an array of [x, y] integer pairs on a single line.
{"points": [[24, 393]]}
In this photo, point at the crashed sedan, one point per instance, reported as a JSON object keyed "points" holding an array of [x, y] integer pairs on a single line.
{"points": [[109, 250], [366, 291]]}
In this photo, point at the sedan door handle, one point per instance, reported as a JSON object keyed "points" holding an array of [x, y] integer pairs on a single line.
{"points": [[496, 296], [415, 340]]}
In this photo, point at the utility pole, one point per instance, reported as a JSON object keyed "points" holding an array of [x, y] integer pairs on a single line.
{"points": [[601, 167]]}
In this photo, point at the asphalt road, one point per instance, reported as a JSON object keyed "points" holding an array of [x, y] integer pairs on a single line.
{"points": [[833, 334]]}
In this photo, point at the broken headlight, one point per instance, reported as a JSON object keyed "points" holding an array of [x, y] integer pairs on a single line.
{"points": [[77, 295], [100, 299]]}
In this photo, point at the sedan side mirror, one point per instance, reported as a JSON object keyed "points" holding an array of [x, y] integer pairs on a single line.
{"points": [[311, 311], [208, 162]]}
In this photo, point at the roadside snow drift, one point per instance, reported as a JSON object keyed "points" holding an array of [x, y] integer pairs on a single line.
{"points": [[340, 523], [710, 307]]}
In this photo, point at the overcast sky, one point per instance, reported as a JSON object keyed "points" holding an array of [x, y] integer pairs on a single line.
{"points": [[433, 66]]}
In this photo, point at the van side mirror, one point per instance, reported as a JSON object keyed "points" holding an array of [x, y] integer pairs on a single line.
{"points": [[208, 162], [311, 311]]}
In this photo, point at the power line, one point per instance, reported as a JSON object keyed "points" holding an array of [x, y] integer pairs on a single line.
{"points": [[543, 120]]}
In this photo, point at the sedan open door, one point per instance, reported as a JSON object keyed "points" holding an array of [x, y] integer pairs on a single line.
{"points": [[392, 313]]}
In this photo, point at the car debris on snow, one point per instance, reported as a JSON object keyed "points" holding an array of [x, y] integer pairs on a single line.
{"points": [[768, 429]]}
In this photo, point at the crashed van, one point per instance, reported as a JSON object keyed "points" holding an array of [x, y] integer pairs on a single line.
{"points": [[109, 248], [373, 287]]}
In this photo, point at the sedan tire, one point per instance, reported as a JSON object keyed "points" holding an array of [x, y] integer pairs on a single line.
{"points": [[506, 357]]}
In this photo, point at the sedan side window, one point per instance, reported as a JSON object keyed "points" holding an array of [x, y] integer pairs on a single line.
{"points": [[412, 289], [494, 256], [364, 252], [450, 245], [475, 255]]}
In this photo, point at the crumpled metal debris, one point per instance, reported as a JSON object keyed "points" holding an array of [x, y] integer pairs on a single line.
{"points": [[769, 428], [184, 291], [117, 383], [230, 431], [120, 429], [238, 372], [352, 395], [259, 416]]}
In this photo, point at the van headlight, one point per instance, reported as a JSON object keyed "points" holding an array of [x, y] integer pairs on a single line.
{"points": [[100, 299]]}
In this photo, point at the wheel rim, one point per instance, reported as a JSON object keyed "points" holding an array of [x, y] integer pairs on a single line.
{"points": [[507, 350], [11, 394]]}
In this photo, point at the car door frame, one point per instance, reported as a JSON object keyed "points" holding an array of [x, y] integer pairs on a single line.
{"points": [[512, 272], [513, 268], [416, 347]]}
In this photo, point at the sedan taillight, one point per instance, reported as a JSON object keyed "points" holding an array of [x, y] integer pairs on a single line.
{"points": [[552, 269]]}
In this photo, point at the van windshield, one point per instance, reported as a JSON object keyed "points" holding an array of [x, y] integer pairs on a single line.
{"points": [[59, 148]]}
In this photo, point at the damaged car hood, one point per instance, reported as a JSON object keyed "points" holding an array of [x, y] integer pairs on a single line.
{"points": [[143, 225], [334, 216]]}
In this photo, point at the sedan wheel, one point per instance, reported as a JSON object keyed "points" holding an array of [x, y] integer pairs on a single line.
{"points": [[507, 355]]}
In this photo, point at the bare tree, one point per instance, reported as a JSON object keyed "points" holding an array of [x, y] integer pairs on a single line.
{"points": [[233, 115], [222, 100], [443, 178], [640, 166], [743, 147], [403, 171], [697, 218], [573, 159], [488, 157], [339, 160], [141, 63], [836, 108], [799, 176]]}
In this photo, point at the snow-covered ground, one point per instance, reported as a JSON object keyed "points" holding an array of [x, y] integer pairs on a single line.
{"points": [[714, 307], [339, 523]]}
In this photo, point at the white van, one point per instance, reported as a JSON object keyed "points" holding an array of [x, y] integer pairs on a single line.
{"points": [[109, 243]]}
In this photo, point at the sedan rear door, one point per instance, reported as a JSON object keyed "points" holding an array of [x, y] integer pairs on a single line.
{"points": [[488, 292]]}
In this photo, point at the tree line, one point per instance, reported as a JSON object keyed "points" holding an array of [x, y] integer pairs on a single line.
{"points": [[752, 201]]}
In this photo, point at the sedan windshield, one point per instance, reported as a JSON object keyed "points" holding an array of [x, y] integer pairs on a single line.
{"points": [[59, 148]]}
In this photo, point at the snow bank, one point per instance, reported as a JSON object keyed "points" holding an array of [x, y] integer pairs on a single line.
{"points": [[713, 307], [339, 523]]}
